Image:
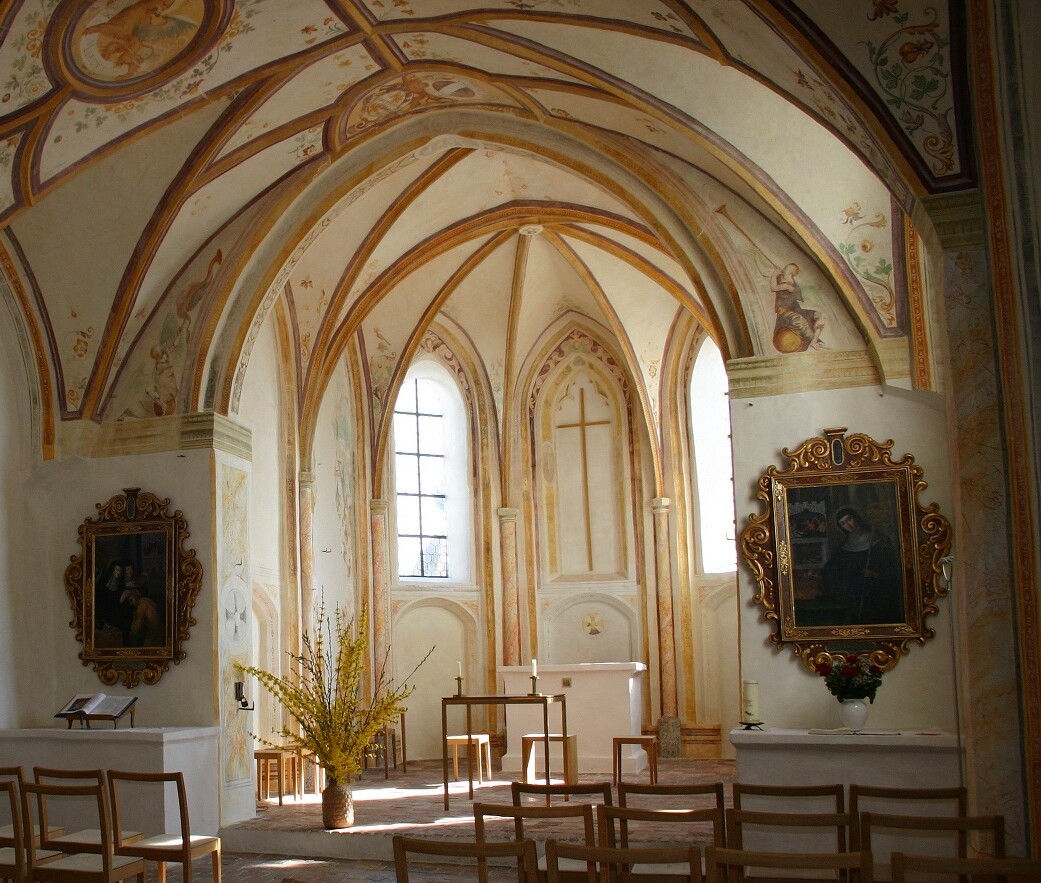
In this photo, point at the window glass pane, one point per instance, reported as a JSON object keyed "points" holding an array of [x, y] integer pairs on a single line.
{"points": [[434, 477], [435, 521], [406, 473], [408, 515], [431, 435], [404, 432], [407, 397], [428, 398], [409, 557], [435, 558]]}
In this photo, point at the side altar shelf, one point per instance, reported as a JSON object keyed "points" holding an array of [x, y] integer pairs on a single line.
{"points": [[189, 750]]}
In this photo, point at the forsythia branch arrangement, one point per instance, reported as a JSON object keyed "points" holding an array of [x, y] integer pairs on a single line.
{"points": [[323, 693]]}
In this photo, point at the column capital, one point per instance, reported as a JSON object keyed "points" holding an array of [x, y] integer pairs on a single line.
{"points": [[661, 504], [379, 507], [508, 514], [959, 218]]}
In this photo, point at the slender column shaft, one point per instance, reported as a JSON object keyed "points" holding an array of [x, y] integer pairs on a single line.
{"points": [[510, 597]]}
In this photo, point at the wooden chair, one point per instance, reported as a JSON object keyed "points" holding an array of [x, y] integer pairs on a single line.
{"points": [[788, 831], [532, 745], [676, 796], [789, 798], [637, 865], [280, 764], [523, 851], [476, 743], [592, 790], [12, 844], [728, 865], [581, 813], [84, 839], [613, 823], [97, 863], [385, 749], [908, 868], [14, 774], [181, 846], [950, 801]]}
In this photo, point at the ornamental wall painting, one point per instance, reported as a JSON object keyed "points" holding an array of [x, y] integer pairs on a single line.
{"points": [[114, 41]]}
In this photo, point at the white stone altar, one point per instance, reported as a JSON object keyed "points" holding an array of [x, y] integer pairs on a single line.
{"points": [[888, 758], [189, 750], [604, 700]]}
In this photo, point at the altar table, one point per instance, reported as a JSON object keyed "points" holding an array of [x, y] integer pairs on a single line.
{"points": [[543, 699]]}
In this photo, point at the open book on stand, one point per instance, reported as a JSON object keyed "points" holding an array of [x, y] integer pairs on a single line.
{"points": [[87, 707]]}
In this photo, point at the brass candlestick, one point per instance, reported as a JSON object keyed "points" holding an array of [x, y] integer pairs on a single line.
{"points": [[459, 686], [534, 686]]}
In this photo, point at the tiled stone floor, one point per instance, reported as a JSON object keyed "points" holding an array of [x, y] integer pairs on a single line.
{"points": [[288, 841]]}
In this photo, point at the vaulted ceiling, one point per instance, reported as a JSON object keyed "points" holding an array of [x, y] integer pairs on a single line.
{"points": [[175, 168]]}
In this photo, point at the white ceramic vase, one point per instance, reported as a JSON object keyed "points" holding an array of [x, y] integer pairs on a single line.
{"points": [[853, 713]]}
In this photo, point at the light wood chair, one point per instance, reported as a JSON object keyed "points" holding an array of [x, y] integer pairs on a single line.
{"points": [[789, 798], [672, 796], [12, 839], [531, 752], [728, 865], [14, 774], [647, 743], [385, 748], [523, 851], [948, 801], [798, 831], [89, 863], [180, 846], [279, 764], [606, 864], [613, 823], [590, 790], [84, 839], [580, 813], [910, 868]]}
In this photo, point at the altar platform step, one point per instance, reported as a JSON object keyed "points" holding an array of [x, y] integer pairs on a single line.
{"points": [[413, 804]]}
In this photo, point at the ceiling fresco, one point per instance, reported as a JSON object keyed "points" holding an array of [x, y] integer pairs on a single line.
{"points": [[169, 169]]}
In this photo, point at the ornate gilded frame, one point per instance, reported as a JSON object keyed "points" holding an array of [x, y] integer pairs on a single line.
{"points": [[817, 581], [133, 588]]}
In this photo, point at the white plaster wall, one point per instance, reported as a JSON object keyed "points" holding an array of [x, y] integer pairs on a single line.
{"points": [[919, 691], [16, 654], [60, 495]]}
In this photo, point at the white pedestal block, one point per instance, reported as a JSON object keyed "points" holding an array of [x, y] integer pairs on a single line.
{"points": [[189, 750], [604, 700]]}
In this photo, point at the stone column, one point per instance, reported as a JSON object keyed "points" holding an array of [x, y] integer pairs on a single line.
{"points": [[510, 601], [669, 724], [380, 619], [306, 495]]}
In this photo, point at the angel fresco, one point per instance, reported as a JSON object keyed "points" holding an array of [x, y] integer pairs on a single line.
{"points": [[139, 38]]}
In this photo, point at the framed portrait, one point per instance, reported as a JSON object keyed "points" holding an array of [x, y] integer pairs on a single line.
{"points": [[133, 588], [845, 554]]}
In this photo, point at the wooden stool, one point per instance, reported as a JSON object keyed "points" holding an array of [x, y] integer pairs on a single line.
{"points": [[569, 749], [274, 760], [647, 743], [482, 743]]}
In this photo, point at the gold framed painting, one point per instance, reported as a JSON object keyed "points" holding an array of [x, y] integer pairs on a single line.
{"points": [[845, 555], [133, 588]]}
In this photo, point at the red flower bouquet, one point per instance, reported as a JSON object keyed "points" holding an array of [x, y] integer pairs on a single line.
{"points": [[851, 677]]}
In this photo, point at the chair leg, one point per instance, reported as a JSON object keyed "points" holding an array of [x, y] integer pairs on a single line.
{"points": [[215, 858], [160, 873]]}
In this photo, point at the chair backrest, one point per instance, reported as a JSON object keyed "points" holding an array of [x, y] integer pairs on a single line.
{"points": [[618, 863], [12, 772], [671, 796], [613, 823], [122, 783], [909, 868], [728, 864], [602, 790], [949, 835], [12, 865], [47, 794], [580, 812], [788, 831], [523, 850], [948, 801], [789, 798]]}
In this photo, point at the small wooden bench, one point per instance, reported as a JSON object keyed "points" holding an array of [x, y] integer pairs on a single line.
{"points": [[647, 743], [529, 741], [482, 743]]}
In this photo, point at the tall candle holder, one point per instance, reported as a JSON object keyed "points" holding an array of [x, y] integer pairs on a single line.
{"points": [[534, 686], [459, 686]]}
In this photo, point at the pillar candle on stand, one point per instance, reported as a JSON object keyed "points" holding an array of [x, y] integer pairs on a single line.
{"points": [[534, 668], [750, 701], [459, 666]]}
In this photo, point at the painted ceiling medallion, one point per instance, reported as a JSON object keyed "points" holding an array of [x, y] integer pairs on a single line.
{"points": [[121, 45]]}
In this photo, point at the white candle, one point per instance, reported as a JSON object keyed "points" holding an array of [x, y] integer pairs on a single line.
{"points": [[750, 700], [534, 668], [459, 666]]}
